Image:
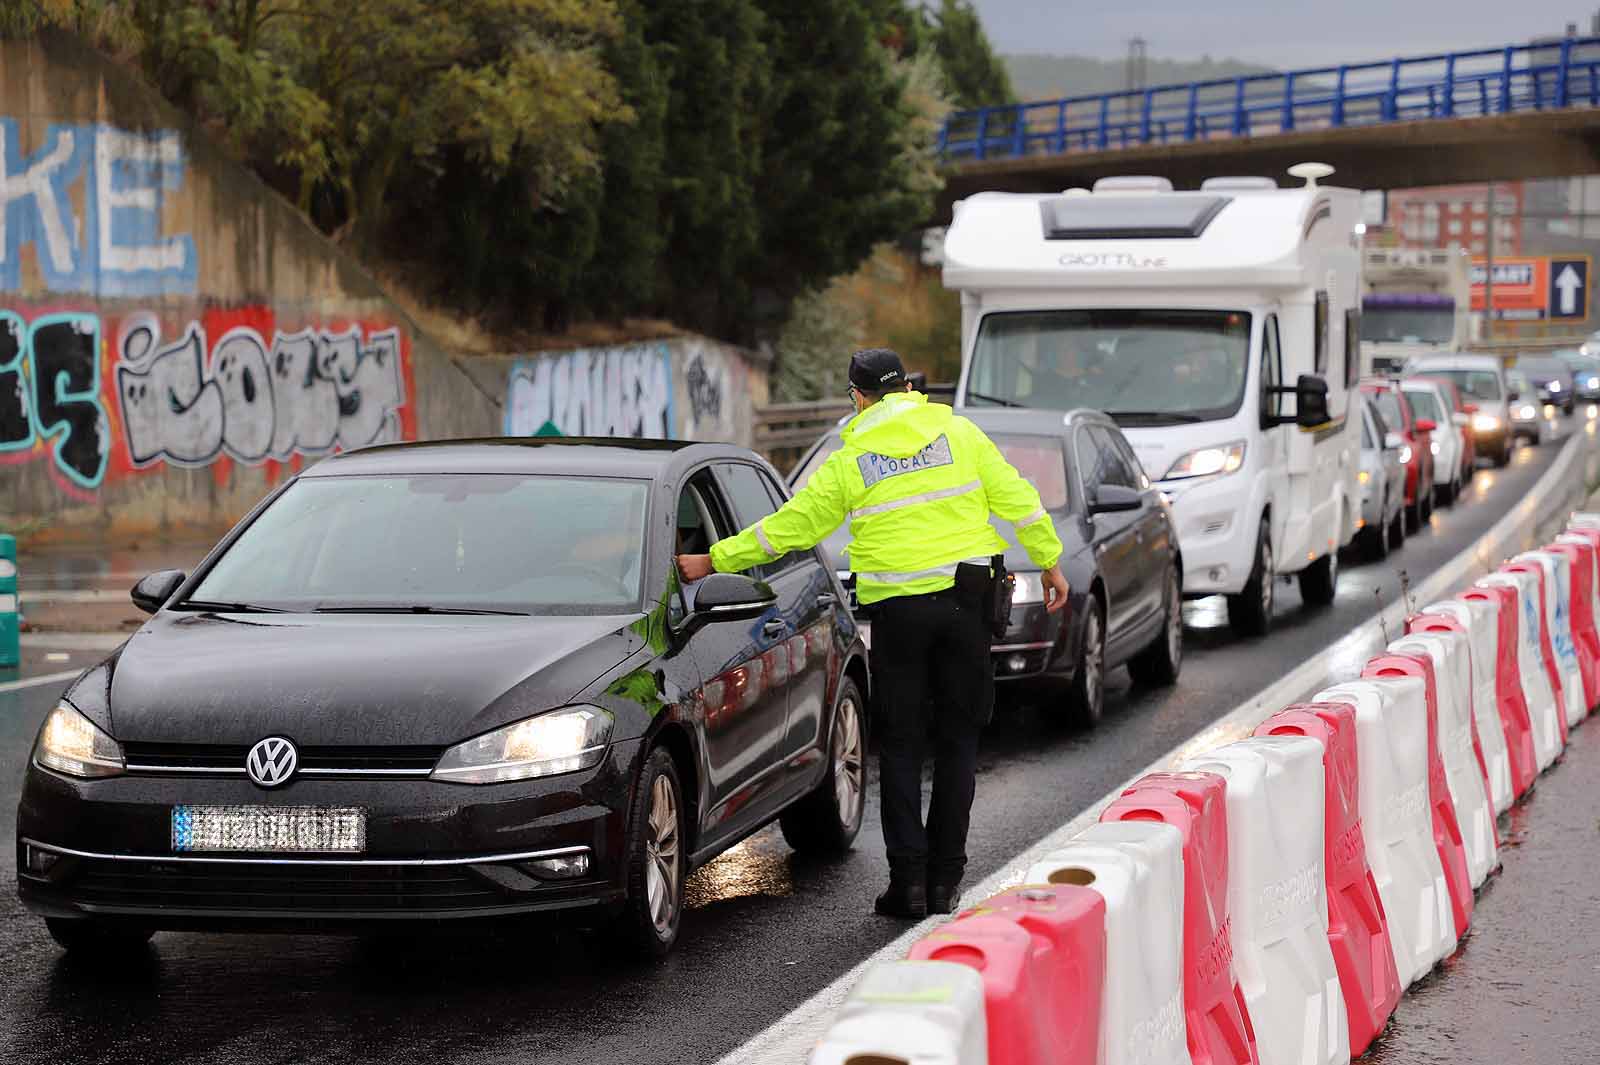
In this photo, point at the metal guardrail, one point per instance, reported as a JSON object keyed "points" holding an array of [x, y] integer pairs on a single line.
{"points": [[780, 426], [1516, 78]]}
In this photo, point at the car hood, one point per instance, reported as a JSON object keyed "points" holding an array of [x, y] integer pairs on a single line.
{"points": [[365, 680]]}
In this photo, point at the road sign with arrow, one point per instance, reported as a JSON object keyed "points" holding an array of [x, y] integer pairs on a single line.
{"points": [[1569, 288]]}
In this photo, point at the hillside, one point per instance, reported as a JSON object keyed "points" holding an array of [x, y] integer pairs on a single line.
{"points": [[1043, 77]]}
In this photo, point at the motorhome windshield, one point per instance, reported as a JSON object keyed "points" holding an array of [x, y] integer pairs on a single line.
{"points": [[1413, 325], [1140, 365]]}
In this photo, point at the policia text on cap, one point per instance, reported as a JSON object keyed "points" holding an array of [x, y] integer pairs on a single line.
{"points": [[917, 483]]}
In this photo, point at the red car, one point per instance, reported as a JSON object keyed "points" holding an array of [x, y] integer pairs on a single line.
{"points": [[1416, 452]]}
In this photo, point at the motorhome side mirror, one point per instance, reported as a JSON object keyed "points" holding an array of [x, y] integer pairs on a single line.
{"points": [[156, 588], [731, 597], [1426, 425], [1111, 498], [1393, 441], [1311, 401]]}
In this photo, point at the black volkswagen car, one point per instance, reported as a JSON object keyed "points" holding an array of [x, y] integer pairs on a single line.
{"points": [[1119, 554], [452, 680]]}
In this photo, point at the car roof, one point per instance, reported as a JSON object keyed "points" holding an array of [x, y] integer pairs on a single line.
{"points": [[1463, 361], [570, 455], [1043, 422]]}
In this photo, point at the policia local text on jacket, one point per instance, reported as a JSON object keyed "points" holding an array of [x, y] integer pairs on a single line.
{"points": [[917, 483]]}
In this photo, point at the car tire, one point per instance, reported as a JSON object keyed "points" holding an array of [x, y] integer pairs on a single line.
{"points": [[1502, 456], [827, 820], [1158, 664], [1319, 581], [1250, 611], [1397, 529], [1087, 693], [1427, 508], [657, 865], [1377, 536], [88, 936]]}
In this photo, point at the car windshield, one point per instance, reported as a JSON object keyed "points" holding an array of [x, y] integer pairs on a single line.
{"points": [[1389, 406], [1038, 458], [1424, 404], [465, 542], [1474, 384], [1141, 366], [1429, 325]]}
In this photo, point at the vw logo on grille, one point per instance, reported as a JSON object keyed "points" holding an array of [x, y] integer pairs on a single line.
{"points": [[271, 762]]}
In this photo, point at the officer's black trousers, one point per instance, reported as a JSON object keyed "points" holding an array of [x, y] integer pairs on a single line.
{"points": [[932, 679]]}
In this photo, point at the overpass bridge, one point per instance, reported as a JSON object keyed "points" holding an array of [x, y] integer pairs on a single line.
{"points": [[1521, 111]]}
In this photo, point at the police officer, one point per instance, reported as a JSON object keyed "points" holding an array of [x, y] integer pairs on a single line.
{"points": [[917, 483]]}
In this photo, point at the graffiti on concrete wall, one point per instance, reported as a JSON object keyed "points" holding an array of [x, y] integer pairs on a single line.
{"points": [[606, 392], [89, 202], [686, 389], [99, 395]]}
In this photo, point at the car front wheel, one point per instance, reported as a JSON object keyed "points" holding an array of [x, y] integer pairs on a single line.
{"points": [[1088, 692], [657, 864], [1250, 611], [827, 820]]}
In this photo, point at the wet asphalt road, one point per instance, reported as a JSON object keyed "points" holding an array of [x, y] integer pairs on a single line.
{"points": [[765, 929]]}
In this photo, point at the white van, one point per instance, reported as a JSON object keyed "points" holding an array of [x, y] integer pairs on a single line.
{"points": [[1219, 327]]}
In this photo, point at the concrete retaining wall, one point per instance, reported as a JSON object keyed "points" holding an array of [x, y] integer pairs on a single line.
{"points": [[175, 339]]}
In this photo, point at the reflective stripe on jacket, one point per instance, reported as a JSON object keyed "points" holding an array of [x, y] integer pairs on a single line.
{"points": [[917, 484]]}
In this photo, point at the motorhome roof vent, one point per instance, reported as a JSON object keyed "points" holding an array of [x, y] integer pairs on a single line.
{"points": [[1133, 183], [1236, 184], [1184, 216]]}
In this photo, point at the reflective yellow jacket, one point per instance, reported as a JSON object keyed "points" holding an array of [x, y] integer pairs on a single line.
{"points": [[917, 483]]}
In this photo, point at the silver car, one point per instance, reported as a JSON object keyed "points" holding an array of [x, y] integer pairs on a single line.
{"points": [[1383, 485], [1528, 419]]}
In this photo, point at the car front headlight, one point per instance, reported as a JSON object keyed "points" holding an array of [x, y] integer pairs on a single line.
{"points": [[1485, 423], [70, 743], [1527, 411], [1434, 447], [1554, 386], [562, 741], [1405, 455], [1206, 461], [1029, 588], [1363, 476]]}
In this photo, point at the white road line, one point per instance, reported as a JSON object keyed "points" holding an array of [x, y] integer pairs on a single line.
{"points": [[790, 1039], [34, 682]]}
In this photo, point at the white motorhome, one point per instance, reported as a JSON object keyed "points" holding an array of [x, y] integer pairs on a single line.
{"points": [[1219, 327]]}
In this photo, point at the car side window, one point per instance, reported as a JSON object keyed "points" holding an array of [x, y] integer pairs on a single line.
{"points": [[1091, 463], [1130, 461], [753, 499], [1118, 468], [1271, 371], [702, 520]]}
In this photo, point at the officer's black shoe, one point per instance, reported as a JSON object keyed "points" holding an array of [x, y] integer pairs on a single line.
{"points": [[944, 898], [906, 901]]}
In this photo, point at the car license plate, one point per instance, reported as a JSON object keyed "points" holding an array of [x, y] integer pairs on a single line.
{"points": [[306, 829]]}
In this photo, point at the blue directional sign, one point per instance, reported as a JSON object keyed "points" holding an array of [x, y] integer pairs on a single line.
{"points": [[1569, 288]]}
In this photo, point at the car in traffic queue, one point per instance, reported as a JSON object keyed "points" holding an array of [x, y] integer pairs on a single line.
{"points": [[1120, 555], [1585, 373], [1552, 379], [1531, 417], [452, 680], [1383, 484], [1481, 380], [1416, 454], [1460, 424], [1428, 405]]}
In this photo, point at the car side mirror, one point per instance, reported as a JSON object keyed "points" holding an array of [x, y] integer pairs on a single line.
{"points": [[731, 597], [1112, 498], [156, 588], [1426, 425], [1393, 441], [1513, 395]]}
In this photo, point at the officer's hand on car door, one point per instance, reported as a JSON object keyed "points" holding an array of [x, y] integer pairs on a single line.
{"points": [[1055, 590], [694, 567]]}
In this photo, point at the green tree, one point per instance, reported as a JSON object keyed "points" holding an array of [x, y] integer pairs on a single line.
{"points": [[973, 74]]}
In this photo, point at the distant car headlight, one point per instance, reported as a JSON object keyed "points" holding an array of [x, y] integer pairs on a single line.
{"points": [[1554, 386], [1527, 410], [1206, 461], [1363, 476], [1028, 589], [562, 741], [70, 743], [1434, 447], [1405, 455], [1485, 423], [1591, 382]]}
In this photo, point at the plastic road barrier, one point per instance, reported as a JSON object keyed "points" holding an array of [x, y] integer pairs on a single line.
{"points": [[1392, 742], [1041, 954], [1542, 594], [1585, 559], [1463, 768], [1392, 669], [1219, 1029], [1510, 696], [1137, 868], [1477, 620], [1277, 895], [10, 621], [1543, 713], [1558, 619], [1592, 537], [909, 1011], [1358, 930]]}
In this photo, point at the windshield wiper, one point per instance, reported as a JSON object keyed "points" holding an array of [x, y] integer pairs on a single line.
{"points": [[1169, 416], [992, 399], [227, 608], [415, 608]]}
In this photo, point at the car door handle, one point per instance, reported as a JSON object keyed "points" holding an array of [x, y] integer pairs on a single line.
{"points": [[827, 599], [775, 628]]}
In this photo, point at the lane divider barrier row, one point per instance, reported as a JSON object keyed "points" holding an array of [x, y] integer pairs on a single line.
{"points": [[1268, 902]]}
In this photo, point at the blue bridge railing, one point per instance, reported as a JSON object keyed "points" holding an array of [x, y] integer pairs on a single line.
{"points": [[1494, 81]]}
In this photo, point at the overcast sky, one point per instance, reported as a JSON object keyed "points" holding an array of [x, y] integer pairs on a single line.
{"points": [[1278, 33]]}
